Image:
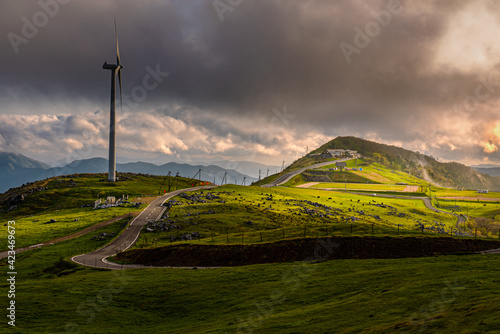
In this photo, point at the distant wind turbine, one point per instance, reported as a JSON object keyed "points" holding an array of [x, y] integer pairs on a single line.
{"points": [[115, 70]]}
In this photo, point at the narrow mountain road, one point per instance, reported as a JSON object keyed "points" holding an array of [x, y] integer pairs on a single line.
{"points": [[426, 200], [428, 204], [125, 240], [288, 176]]}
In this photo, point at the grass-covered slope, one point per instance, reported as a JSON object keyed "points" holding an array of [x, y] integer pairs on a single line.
{"points": [[59, 206], [444, 294], [237, 214], [422, 166]]}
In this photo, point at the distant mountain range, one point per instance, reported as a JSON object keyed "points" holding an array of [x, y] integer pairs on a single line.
{"points": [[247, 167], [17, 169], [449, 174], [493, 171]]}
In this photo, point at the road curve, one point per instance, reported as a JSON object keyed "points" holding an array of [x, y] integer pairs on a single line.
{"points": [[288, 176], [125, 240], [427, 202]]}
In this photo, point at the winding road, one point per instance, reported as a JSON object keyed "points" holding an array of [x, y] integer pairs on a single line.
{"points": [[288, 176], [125, 240]]}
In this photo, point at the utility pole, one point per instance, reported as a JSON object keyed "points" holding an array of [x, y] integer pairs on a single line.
{"points": [[176, 178], [283, 165], [259, 174], [243, 182], [169, 180], [267, 172], [159, 190], [199, 176]]}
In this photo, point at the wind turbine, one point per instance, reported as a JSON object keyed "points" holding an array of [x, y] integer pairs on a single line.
{"points": [[115, 70]]}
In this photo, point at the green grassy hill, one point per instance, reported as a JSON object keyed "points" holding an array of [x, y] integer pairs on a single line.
{"points": [[59, 206], [451, 174], [436, 294]]}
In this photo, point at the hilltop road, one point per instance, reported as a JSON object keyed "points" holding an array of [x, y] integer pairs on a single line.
{"points": [[288, 176]]}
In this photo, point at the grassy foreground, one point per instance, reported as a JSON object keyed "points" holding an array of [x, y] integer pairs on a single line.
{"points": [[446, 294]]}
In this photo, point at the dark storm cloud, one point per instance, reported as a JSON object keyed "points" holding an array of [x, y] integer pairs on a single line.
{"points": [[264, 54]]}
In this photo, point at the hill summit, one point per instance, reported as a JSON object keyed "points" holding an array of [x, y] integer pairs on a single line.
{"points": [[449, 174]]}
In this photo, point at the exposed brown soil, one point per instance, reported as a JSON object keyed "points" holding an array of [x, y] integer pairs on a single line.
{"points": [[303, 249]]}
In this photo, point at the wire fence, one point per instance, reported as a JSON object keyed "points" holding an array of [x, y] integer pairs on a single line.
{"points": [[305, 231]]}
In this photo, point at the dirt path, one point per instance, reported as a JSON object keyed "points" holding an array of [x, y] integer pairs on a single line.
{"points": [[307, 185], [71, 236], [411, 189], [472, 198]]}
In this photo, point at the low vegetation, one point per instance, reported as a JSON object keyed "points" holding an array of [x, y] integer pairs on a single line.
{"points": [[237, 214], [59, 206]]}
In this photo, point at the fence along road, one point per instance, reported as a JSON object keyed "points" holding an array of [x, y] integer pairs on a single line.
{"points": [[124, 241], [288, 176]]}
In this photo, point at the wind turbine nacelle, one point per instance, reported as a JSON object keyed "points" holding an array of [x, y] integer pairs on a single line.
{"points": [[107, 66]]}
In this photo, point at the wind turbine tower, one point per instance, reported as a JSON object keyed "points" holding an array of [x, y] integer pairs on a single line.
{"points": [[115, 70]]}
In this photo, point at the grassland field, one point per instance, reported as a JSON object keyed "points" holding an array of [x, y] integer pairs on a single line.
{"points": [[359, 186], [240, 214], [445, 294], [378, 173]]}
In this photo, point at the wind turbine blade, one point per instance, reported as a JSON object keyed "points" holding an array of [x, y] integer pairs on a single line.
{"points": [[117, 48]]}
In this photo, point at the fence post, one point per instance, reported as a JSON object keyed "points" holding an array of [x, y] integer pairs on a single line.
{"points": [[398, 229], [422, 228]]}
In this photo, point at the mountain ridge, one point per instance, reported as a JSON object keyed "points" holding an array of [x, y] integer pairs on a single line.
{"points": [[14, 177]]}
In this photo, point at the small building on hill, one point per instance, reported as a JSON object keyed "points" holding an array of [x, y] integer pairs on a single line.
{"points": [[339, 153]]}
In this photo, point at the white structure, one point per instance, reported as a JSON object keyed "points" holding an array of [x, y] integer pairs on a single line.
{"points": [[339, 153], [115, 70]]}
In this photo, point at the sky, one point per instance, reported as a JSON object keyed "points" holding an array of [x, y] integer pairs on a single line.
{"points": [[249, 80]]}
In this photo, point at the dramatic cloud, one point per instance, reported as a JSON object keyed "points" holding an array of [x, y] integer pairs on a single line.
{"points": [[259, 80]]}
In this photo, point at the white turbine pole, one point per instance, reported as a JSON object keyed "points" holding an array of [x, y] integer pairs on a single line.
{"points": [[115, 70], [112, 132]]}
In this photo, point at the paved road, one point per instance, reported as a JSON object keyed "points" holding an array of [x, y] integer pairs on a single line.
{"points": [[288, 176], [426, 200], [124, 241]]}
